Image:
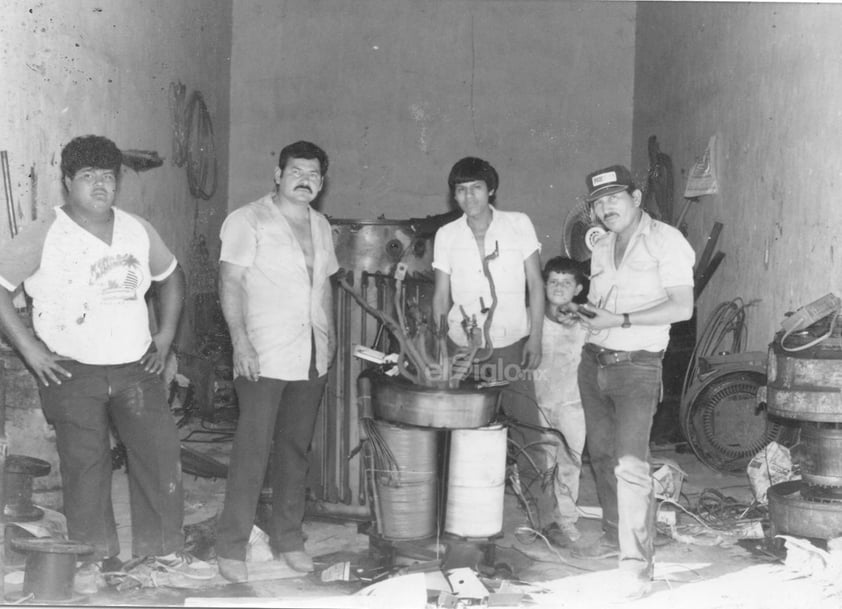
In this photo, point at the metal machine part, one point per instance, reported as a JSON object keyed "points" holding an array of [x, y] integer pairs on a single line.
{"points": [[369, 251], [376, 246], [400, 402], [721, 416], [793, 513], [804, 386]]}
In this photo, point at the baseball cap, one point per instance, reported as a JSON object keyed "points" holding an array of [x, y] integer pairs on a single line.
{"points": [[608, 181]]}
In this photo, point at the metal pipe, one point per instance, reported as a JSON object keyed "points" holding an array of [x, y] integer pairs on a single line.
{"points": [[7, 191], [345, 430]]}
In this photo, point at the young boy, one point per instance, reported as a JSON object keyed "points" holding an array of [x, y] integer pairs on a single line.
{"points": [[557, 391]]}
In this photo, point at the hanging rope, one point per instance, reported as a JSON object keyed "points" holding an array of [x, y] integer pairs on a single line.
{"points": [[201, 151]]}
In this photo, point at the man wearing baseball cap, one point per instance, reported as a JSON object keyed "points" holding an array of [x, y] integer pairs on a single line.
{"points": [[642, 282]]}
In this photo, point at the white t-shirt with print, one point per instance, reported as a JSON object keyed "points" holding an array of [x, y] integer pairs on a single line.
{"points": [[88, 296]]}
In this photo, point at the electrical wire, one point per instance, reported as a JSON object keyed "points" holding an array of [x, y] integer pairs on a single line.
{"points": [[727, 319], [521, 530], [200, 149]]}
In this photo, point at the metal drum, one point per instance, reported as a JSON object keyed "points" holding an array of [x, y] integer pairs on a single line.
{"points": [[805, 384], [399, 401], [476, 482], [822, 449], [406, 485]]}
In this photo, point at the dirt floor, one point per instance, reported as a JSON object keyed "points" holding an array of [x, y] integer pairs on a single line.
{"points": [[704, 561]]}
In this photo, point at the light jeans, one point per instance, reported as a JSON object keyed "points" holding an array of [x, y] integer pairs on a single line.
{"points": [[619, 402], [564, 456]]}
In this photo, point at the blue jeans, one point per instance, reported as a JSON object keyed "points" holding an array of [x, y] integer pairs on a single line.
{"points": [[135, 402], [276, 412], [620, 400]]}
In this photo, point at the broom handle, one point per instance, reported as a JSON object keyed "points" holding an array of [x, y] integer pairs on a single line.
{"points": [[683, 213]]}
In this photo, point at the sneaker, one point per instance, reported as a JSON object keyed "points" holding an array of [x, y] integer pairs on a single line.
{"points": [[233, 570], [299, 561], [599, 549], [88, 579], [562, 535], [185, 564]]}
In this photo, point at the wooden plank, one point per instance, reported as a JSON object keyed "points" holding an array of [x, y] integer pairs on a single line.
{"points": [[707, 273], [710, 246]]}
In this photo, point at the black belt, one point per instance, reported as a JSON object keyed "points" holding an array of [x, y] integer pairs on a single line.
{"points": [[609, 357]]}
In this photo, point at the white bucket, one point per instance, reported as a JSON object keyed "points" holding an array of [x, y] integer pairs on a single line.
{"points": [[476, 482]]}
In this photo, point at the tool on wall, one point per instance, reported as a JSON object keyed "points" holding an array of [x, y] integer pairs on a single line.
{"points": [[7, 191], [701, 180], [141, 160], [658, 194]]}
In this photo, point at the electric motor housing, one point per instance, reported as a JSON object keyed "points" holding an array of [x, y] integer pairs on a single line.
{"points": [[723, 414]]}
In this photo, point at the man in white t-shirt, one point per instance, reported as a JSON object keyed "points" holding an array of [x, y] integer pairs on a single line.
{"points": [[87, 267]]}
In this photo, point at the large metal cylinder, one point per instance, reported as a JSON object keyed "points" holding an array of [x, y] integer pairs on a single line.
{"points": [[406, 488], [805, 385], [399, 401], [822, 464]]}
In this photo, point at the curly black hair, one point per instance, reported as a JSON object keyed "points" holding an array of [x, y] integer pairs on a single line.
{"points": [[92, 151]]}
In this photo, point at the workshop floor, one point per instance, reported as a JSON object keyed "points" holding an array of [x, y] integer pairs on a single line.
{"points": [[705, 568]]}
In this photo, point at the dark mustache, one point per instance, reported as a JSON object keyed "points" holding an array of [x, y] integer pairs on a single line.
{"points": [[307, 186]]}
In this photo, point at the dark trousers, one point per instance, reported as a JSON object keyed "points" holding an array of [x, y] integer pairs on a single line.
{"points": [[283, 412], [520, 404], [136, 403], [620, 401]]}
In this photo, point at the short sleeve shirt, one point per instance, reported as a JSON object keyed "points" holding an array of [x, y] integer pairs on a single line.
{"points": [[282, 307], [87, 296], [657, 257], [510, 240], [556, 382]]}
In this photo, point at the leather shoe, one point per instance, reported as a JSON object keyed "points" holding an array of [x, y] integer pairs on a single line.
{"points": [[234, 571], [299, 561], [562, 536]]}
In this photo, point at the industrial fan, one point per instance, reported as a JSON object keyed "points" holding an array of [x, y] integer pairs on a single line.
{"points": [[581, 231]]}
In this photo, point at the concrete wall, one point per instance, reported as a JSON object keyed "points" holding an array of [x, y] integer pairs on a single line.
{"points": [[767, 79], [74, 67], [397, 91]]}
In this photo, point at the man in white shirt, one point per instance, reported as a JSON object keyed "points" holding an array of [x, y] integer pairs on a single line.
{"points": [[276, 260], [486, 242], [641, 282]]}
